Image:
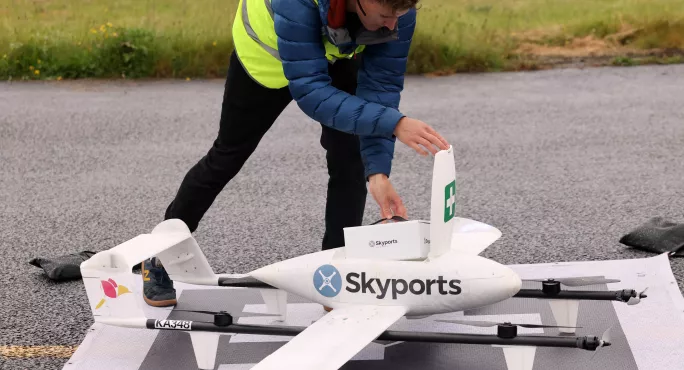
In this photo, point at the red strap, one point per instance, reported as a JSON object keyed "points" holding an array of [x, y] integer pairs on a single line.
{"points": [[337, 13]]}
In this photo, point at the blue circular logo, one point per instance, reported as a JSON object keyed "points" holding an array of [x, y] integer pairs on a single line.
{"points": [[327, 281]]}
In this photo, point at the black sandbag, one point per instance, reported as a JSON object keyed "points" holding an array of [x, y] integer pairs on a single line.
{"points": [[657, 235], [62, 268]]}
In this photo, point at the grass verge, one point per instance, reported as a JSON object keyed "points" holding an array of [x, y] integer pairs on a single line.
{"points": [[184, 39]]}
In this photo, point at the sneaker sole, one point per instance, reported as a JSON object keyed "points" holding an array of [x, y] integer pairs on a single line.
{"points": [[166, 303]]}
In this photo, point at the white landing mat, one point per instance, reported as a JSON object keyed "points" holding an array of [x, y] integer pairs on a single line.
{"points": [[648, 336]]}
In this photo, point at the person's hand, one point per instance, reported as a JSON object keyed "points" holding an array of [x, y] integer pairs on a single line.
{"points": [[387, 198], [414, 133]]}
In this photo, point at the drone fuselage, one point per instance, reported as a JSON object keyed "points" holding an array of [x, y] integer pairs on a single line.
{"points": [[452, 282]]}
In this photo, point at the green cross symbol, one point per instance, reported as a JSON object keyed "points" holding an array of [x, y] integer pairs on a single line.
{"points": [[449, 201]]}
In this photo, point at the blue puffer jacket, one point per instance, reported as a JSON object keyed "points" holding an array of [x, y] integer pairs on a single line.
{"points": [[373, 113]]}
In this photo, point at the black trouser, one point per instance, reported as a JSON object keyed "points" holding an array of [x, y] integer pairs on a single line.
{"points": [[248, 111]]}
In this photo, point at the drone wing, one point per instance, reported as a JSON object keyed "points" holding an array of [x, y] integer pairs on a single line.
{"points": [[334, 339]]}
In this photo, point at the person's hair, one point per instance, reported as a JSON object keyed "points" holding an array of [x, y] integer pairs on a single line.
{"points": [[399, 4]]}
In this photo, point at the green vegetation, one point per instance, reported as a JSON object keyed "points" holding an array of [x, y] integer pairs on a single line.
{"points": [[183, 38]]}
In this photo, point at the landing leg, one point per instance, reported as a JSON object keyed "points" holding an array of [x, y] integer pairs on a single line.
{"points": [[276, 302], [518, 357], [205, 345], [565, 313]]}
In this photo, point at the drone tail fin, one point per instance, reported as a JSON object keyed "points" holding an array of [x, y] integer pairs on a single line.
{"points": [[443, 203], [172, 243], [448, 232], [112, 293], [112, 287]]}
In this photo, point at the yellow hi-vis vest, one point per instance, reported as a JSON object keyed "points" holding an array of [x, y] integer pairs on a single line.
{"points": [[256, 43]]}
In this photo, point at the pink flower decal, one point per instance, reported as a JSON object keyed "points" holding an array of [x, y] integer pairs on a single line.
{"points": [[109, 288]]}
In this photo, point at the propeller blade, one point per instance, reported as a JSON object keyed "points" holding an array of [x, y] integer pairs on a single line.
{"points": [[471, 323], [546, 326], [636, 300], [387, 343], [587, 281], [577, 281], [605, 342], [491, 323], [606, 338], [234, 314]]}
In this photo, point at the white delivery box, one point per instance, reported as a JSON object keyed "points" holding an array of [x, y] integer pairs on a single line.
{"points": [[405, 240]]}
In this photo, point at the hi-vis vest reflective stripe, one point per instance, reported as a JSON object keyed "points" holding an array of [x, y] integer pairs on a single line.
{"points": [[257, 44]]}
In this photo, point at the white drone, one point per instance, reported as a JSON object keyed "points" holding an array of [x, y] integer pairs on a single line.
{"points": [[367, 295]]}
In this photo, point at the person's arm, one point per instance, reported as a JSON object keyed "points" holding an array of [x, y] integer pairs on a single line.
{"points": [[381, 80], [298, 27]]}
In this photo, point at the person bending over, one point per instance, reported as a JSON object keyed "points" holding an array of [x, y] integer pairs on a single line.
{"points": [[343, 63]]}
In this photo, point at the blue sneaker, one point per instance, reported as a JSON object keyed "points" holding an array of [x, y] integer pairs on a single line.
{"points": [[158, 290]]}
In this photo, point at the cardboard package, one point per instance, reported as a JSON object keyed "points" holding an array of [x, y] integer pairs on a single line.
{"points": [[407, 240]]}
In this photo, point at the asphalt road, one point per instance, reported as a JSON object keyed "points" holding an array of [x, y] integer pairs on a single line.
{"points": [[564, 162]]}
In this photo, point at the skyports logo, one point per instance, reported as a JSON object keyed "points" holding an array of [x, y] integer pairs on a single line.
{"points": [[382, 243], [328, 282], [399, 287]]}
